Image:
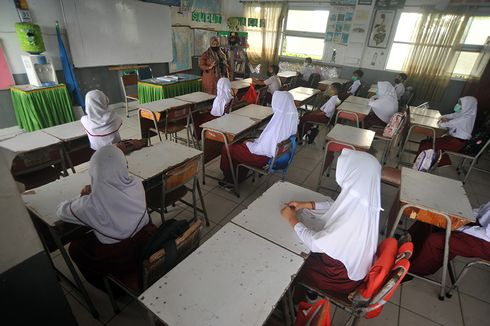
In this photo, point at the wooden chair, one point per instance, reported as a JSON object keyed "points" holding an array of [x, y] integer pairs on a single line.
{"points": [[174, 188], [129, 82], [175, 120], [346, 115], [470, 158], [154, 265], [379, 285], [331, 148], [281, 161]]}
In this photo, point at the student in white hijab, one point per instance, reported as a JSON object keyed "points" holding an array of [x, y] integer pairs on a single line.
{"points": [[114, 207], [383, 106], [101, 124], [468, 241], [459, 125], [344, 248], [283, 124]]}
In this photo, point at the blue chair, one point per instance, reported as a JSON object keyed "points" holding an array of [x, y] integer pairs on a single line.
{"points": [[281, 161]]}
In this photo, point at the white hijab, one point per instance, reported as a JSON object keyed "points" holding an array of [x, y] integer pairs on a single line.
{"points": [[99, 121], [116, 207], [350, 233], [223, 97], [461, 123], [385, 104], [283, 124]]}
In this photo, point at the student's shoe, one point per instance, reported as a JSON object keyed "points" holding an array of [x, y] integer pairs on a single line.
{"points": [[312, 135], [225, 185]]}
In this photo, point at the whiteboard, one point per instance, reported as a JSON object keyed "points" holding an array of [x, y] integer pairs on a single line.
{"points": [[115, 32]]}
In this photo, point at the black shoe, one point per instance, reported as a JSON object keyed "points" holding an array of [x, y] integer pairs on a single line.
{"points": [[312, 135]]}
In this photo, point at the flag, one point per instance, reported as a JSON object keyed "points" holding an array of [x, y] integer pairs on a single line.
{"points": [[70, 79]]}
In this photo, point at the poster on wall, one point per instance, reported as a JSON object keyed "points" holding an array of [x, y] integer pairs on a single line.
{"points": [[340, 24], [201, 40], [381, 28], [182, 41]]}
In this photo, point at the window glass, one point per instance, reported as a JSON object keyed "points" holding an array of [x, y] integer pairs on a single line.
{"points": [[307, 20]]}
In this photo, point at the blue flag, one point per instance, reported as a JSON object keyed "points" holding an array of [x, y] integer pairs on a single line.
{"points": [[70, 79]]}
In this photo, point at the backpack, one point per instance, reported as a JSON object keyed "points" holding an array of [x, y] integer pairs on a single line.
{"points": [[250, 96], [425, 160], [394, 124]]}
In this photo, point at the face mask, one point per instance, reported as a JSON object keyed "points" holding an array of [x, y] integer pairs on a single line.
{"points": [[215, 48], [457, 107], [354, 78]]}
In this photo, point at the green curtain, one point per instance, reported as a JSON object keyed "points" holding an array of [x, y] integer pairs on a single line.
{"points": [[148, 92], [42, 108]]}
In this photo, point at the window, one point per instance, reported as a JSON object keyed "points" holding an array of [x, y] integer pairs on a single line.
{"points": [[468, 50], [304, 33]]}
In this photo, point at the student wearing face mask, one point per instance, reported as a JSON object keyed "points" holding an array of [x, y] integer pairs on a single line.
{"points": [[214, 65], [400, 85], [459, 125], [306, 71], [273, 82], [356, 82]]}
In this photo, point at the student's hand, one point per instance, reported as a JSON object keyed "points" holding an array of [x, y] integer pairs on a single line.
{"points": [[289, 214], [86, 190], [300, 204]]}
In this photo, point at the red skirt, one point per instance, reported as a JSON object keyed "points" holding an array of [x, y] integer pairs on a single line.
{"points": [[373, 120], [95, 259], [240, 154], [446, 143]]}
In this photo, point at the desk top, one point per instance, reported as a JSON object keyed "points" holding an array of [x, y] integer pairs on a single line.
{"points": [[254, 111], [353, 107], [241, 83], [151, 161], [29, 141], [234, 278], [357, 100], [67, 131], [6, 133], [359, 138], [305, 90], [425, 112], [263, 216], [287, 74], [182, 78], [196, 97], [232, 124], [425, 121], [333, 80], [434, 192], [43, 201], [163, 105]]}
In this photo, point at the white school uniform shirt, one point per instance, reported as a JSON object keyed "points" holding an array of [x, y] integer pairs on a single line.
{"points": [[400, 90], [482, 231], [329, 107], [273, 83], [100, 124], [460, 124], [354, 87], [223, 97], [283, 124], [350, 230], [385, 103], [116, 207], [306, 72]]}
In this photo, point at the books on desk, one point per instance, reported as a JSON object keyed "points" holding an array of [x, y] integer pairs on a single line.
{"points": [[168, 78]]}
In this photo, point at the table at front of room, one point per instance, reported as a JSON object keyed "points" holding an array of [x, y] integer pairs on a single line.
{"points": [[361, 139], [435, 200], [41, 107], [224, 131], [153, 89]]}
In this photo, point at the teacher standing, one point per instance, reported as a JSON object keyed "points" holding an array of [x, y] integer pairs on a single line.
{"points": [[214, 65]]}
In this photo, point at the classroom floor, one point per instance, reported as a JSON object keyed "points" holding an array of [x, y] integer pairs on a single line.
{"points": [[414, 303]]}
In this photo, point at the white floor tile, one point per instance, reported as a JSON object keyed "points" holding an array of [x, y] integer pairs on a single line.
{"points": [[475, 312], [408, 318]]}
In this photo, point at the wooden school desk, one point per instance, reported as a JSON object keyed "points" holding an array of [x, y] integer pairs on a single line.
{"points": [[357, 100], [425, 112], [255, 112], [361, 110], [323, 85], [263, 216], [434, 200], [361, 139], [42, 204], [74, 140], [224, 131], [234, 278], [200, 100], [285, 76], [423, 125], [302, 95], [153, 89], [34, 151]]}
